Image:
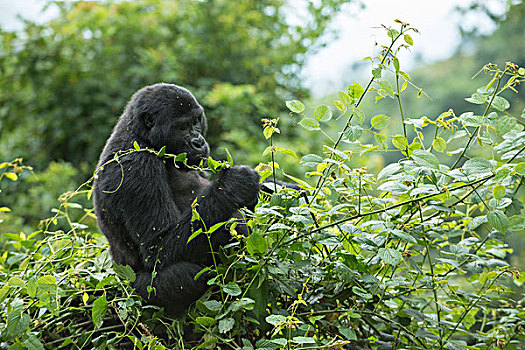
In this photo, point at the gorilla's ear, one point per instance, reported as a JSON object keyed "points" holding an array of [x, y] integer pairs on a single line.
{"points": [[148, 119]]}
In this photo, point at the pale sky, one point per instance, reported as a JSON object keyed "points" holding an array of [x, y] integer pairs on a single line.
{"points": [[357, 32]]}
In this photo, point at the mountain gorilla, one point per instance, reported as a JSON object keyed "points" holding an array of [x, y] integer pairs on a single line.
{"points": [[143, 203]]}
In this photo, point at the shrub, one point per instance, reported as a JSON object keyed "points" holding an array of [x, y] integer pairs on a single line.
{"points": [[414, 257]]}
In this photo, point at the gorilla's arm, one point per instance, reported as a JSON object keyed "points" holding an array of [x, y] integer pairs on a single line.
{"points": [[145, 203]]}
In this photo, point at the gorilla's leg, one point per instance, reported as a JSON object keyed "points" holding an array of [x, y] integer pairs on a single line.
{"points": [[175, 286]]}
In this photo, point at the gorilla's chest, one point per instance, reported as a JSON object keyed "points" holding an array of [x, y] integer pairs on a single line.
{"points": [[185, 186]]}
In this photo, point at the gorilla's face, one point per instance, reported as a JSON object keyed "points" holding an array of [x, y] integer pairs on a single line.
{"points": [[170, 116]]}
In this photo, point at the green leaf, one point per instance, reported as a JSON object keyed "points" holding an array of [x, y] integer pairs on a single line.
{"points": [[136, 146], [162, 152], [295, 106], [359, 115], [339, 105], [286, 151], [47, 283], [344, 98], [381, 139], [303, 340], [354, 132], [256, 244], [17, 322], [500, 103], [396, 64], [520, 168], [226, 325], [11, 176], [400, 142], [205, 321], [425, 159], [408, 39], [194, 235], [348, 333], [498, 220], [355, 91], [32, 343], [125, 272], [309, 124], [499, 192], [232, 289], [404, 236], [477, 166], [386, 86], [275, 320], [390, 256], [16, 282], [323, 113], [311, 160], [389, 170], [439, 144], [268, 132], [100, 306], [477, 98], [380, 121]]}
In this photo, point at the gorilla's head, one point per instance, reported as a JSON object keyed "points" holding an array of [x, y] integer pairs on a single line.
{"points": [[168, 115]]}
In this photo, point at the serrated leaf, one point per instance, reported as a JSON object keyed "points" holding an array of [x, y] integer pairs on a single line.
{"points": [[359, 115], [500, 103], [477, 166], [439, 144], [404, 236], [344, 98], [295, 106], [339, 105], [425, 159], [256, 244], [348, 333], [98, 312], [498, 220], [125, 272], [46, 282], [389, 170], [226, 325], [309, 124], [17, 322], [311, 160], [32, 343], [499, 192], [520, 168], [274, 320], [400, 142], [390, 256], [323, 113], [354, 132], [355, 91], [386, 86], [380, 121], [232, 289], [381, 139]]}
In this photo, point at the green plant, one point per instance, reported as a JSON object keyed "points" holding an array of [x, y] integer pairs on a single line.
{"points": [[414, 257]]}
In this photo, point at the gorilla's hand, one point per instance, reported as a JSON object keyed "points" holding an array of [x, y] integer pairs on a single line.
{"points": [[241, 184]]}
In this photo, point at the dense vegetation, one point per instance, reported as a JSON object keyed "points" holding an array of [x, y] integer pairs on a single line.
{"points": [[413, 257]]}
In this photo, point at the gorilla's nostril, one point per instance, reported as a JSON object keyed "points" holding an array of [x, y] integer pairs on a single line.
{"points": [[197, 142]]}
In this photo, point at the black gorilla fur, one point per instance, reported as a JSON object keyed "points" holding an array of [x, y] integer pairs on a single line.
{"points": [[143, 203]]}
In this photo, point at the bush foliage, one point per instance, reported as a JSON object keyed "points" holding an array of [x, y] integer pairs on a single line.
{"points": [[413, 257]]}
